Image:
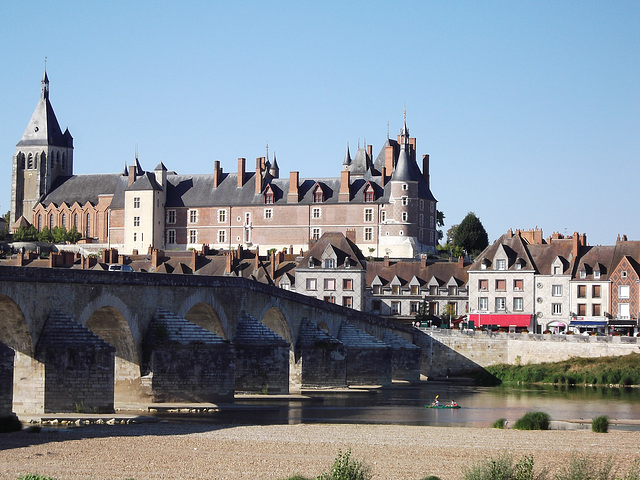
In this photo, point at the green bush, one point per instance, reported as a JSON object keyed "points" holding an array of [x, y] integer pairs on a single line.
{"points": [[584, 467], [33, 476], [500, 423], [504, 468], [600, 424], [533, 421], [430, 477], [344, 468], [10, 423]]}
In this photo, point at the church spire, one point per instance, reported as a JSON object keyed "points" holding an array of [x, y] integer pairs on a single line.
{"points": [[44, 85]]}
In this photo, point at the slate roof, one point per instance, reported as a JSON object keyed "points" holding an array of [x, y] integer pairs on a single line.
{"points": [[343, 247], [598, 257], [87, 188], [515, 248], [544, 255], [406, 270]]}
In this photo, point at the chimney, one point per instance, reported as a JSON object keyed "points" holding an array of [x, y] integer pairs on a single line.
{"points": [[228, 262], [20, 259], [388, 159], [423, 261], [460, 262], [52, 259], [344, 195], [292, 196], [154, 258], [256, 260], [575, 243], [370, 151], [272, 264], [194, 260], [386, 261], [351, 235], [258, 178], [240, 172], [132, 175], [217, 174], [624, 237], [383, 173], [425, 169]]}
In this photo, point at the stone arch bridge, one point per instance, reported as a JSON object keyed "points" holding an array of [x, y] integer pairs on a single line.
{"points": [[84, 339]]}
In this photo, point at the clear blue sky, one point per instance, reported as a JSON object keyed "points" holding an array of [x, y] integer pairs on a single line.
{"points": [[530, 111]]}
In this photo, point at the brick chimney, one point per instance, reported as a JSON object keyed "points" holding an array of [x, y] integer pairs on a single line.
{"points": [[132, 175], [351, 234], [258, 177], [575, 244], [292, 196], [383, 174], [386, 261], [228, 262], [460, 262], [388, 159], [370, 151], [344, 195], [272, 264], [20, 259], [241, 162], [194, 260], [217, 173], [425, 168], [423, 261]]}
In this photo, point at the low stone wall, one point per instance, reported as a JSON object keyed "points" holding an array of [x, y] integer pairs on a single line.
{"points": [[452, 352]]}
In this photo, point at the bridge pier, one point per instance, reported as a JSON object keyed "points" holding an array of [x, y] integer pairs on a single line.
{"points": [[7, 356]]}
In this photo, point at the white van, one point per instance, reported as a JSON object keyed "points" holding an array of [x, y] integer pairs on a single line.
{"points": [[116, 267]]}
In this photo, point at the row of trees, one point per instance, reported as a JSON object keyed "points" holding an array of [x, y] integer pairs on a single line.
{"points": [[54, 235], [468, 237]]}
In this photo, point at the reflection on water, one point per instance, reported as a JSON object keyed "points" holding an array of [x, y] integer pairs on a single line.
{"points": [[405, 405]]}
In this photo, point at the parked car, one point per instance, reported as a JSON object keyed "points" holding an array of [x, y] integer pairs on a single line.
{"points": [[116, 267]]}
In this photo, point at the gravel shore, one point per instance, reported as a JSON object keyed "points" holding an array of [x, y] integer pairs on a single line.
{"points": [[201, 451]]}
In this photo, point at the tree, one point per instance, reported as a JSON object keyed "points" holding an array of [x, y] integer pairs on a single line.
{"points": [[59, 234], [447, 313], [451, 233], [422, 315], [471, 235], [73, 235], [440, 223], [45, 235], [25, 234]]}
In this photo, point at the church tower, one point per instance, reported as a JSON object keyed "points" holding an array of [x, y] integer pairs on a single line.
{"points": [[42, 155]]}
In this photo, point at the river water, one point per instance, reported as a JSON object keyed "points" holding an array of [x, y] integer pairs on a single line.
{"points": [[405, 405]]}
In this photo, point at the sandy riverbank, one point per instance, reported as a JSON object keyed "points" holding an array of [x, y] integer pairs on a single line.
{"points": [[192, 451]]}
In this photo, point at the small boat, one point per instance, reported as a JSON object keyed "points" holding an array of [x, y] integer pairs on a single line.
{"points": [[442, 406]]}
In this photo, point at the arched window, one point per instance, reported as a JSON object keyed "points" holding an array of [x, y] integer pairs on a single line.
{"points": [[88, 226], [21, 160], [30, 161], [39, 221], [64, 220], [51, 160], [318, 195], [75, 220], [51, 222]]}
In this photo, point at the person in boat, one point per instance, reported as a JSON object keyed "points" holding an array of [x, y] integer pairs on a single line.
{"points": [[453, 404], [435, 402]]}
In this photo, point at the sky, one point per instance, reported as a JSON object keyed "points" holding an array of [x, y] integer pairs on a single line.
{"points": [[530, 111]]}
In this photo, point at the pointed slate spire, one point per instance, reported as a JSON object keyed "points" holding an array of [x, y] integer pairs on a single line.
{"points": [[44, 86], [274, 170], [347, 157]]}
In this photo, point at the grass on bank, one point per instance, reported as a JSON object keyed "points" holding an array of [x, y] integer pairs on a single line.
{"points": [[618, 370]]}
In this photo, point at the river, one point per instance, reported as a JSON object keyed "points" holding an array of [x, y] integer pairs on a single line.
{"points": [[405, 405]]}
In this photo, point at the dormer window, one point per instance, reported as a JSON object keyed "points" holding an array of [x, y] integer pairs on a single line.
{"points": [[556, 270], [311, 263], [329, 263], [583, 274], [268, 197], [347, 262], [501, 264], [369, 195], [623, 274], [596, 274], [318, 195]]}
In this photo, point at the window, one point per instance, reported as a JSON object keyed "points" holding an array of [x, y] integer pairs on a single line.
{"points": [[583, 274], [268, 213], [595, 291], [483, 284], [405, 216], [329, 283], [421, 220], [413, 308], [556, 290], [136, 202], [582, 309], [405, 186], [623, 291], [316, 212], [347, 284], [452, 290], [88, 226], [596, 274], [501, 285], [268, 198], [222, 216], [193, 236], [501, 304], [518, 265], [135, 237], [395, 308], [315, 233], [247, 218], [329, 263], [318, 196], [595, 310], [501, 264], [377, 289], [623, 274], [64, 220], [415, 289], [51, 222], [517, 304], [368, 214], [222, 236], [369, 196], [347, 302], [312, 284], [395, 289], [171, 216], [368, 234], [483, 304], [383, 216], [434, 308], [75, 221], [171, 236], [556, 270], [136, 221], [582, 291], [623, 311], [376, 305], [330, 299], [556, 308], [405, 201], [433, 289], [193, 216], [518, 284]]}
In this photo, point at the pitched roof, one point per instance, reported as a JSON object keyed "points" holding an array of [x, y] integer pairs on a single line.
{"points": [[343, 247]]}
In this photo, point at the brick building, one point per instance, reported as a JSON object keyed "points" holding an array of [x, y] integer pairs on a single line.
{"points": [[386, 200]]}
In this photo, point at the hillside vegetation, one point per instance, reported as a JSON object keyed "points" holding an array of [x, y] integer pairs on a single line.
{"points": [[619, 370]]}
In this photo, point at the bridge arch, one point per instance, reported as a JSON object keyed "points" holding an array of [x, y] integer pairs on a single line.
{"points": [[204, 309], [275, 320], [14, 329], [205, 316], [104, 316]]}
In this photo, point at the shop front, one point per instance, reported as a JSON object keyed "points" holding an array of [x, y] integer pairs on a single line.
{"points": [[507, 322], [623, 327], [587, 325]]}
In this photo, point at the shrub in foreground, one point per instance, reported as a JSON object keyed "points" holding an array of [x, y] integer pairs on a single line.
{"points": [[533, 421], [344, 468], [584, 467], [600, 424], [500, 423], [504, 468]]}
